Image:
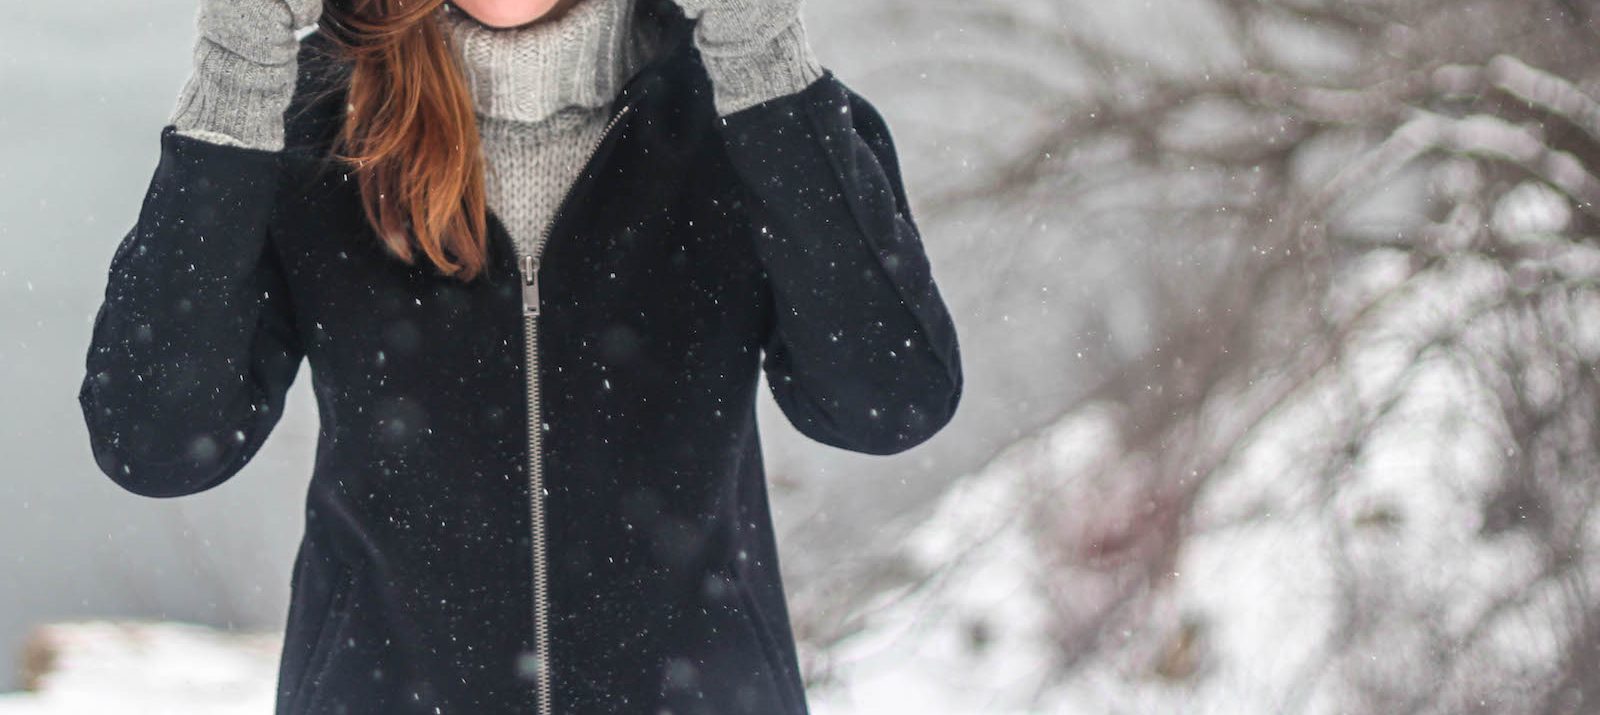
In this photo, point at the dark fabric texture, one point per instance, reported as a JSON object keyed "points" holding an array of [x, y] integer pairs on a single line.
{"points": [[693, 254]]}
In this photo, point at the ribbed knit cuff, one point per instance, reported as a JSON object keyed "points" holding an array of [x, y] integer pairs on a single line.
{"points": [[742, 77], [213, 137], [229, 95]]}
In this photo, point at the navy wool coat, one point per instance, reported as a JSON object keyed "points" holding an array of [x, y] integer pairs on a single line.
{"points": [[541, 491]]}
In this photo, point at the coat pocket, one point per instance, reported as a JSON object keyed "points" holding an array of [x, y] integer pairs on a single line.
{"points": [[756, 623], [720, 660], [764, 637], [334, 621]]}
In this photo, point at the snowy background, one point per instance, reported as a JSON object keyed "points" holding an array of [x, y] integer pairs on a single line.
{"points": [[1280, 327]]}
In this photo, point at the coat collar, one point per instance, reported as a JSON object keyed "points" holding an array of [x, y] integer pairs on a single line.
{"points": [[526, 74], [315, 114]]}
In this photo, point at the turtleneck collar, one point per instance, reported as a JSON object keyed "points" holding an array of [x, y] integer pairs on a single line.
{"points": [[528, 73]]}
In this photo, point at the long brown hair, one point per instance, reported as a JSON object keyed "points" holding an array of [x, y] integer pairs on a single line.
{"points": [[410, 134]]}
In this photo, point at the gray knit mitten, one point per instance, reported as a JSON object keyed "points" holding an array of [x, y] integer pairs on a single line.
{"points": [[754, 50], [244, 71]]}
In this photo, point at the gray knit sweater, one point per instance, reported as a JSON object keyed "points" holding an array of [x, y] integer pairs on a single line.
{"points": [[542, 92]]}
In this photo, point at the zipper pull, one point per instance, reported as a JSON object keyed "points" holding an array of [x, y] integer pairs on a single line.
{"points": [[530, 285]]}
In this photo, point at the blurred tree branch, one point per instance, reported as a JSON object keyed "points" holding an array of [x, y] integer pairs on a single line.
{"points": [[1246, 181]]}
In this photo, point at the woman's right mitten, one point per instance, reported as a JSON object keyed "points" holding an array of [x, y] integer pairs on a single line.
{"points": [[245, 64]]}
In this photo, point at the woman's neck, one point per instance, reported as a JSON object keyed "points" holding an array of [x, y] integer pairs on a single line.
{"points": [[526, 74]]}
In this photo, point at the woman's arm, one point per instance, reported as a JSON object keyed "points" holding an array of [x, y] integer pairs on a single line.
{"points": [[193, 347], [862, 352]]}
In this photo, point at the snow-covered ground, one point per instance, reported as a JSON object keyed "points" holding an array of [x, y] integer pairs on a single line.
{"points": [[147, 668], [1304, 582], [160, 668]]}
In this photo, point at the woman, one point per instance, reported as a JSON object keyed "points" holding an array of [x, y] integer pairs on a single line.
{"points": [[538, 254]]}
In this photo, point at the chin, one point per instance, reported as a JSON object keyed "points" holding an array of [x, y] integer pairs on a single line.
{"points": [[506, 13]]}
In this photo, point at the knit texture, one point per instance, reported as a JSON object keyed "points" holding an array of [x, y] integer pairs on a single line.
{"points": [[245, 67], [525, 74], [754, 50], [531, 165], [744, 75]]}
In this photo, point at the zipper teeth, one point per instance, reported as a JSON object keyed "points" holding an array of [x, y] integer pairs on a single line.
{"points": [[541, 599], [541, 602]]}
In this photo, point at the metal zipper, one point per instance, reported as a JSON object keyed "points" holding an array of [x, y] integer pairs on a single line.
{"points": [[528, 262]]}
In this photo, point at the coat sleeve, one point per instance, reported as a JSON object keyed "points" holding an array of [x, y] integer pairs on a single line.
{"points": [[193, 348], [860, 350]]}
